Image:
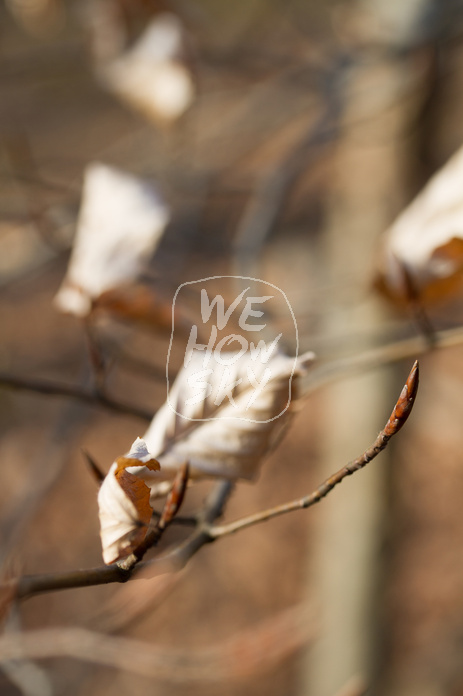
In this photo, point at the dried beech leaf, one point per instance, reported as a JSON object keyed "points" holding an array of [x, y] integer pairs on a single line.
{"points": [[151, 76], [233, 443], [121, 221], [423, 251], [123, 502]]}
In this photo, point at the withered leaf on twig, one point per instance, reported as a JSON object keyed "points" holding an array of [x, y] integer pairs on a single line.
{"points": [[231, 437], [123, 502], [423, 250], [121, 221]]}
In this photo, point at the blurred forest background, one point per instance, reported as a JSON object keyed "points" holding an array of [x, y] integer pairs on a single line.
{"points": [[305, 129]]}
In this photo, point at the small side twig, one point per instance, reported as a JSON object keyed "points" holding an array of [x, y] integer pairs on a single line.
{"points": [[396, 420], [93, 466]]}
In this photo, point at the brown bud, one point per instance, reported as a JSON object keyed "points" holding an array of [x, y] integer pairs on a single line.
{"points": [[175, 497], [405, 402]]}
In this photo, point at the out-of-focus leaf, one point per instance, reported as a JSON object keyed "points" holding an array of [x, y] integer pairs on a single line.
{"points": [[228, 439], [423, 249], [151, 76], [121, 221], [123, 502]]}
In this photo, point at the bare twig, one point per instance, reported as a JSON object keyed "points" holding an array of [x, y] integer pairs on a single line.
{"points": [[174, 559], [93, 466], [396, 420], [93, 398], [319, 376], [205, 532], [323, 374]]}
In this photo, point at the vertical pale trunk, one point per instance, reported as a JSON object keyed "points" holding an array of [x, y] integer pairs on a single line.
{"points": [[367, 188]]}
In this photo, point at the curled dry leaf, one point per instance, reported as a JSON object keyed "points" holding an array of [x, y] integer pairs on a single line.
{"points": [[123, 502], [121, 221], [224, 432], [151, 76], [423, 250]]}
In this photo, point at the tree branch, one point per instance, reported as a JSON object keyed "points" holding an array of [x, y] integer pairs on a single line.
{"points": [[319, 376], [323, 374], [396, 420], [93, 398], [174, 559], [205, 532]]}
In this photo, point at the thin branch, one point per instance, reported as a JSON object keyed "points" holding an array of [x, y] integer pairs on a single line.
{"points": [[205, 532], [93, 398], [396, 420], [174, 559], [95, 470], [323, 374], [319, 376]]}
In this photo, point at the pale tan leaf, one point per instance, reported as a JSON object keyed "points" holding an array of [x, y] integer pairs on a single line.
{"points": [[228, 439], [423, 249], [121, 221], [123, 501], [151, 76]]}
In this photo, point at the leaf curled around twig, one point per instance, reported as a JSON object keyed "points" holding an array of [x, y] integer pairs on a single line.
{"points": [[124, 507], [228, 439]]}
